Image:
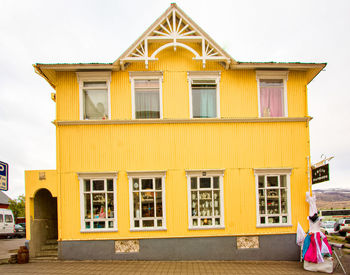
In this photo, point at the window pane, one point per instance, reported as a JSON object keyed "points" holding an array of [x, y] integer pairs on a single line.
{"points": [[271, 98], [148, 223], [135, 184], [137, 223], [261, 180], [147, 184], [99, 205], [203, 103], [87, 185], [147, 204], [1, 218], [110, 185], [193, 183], [8, 218], [87, 206], [274, 219], [110, 224], [283, 201], [272, 201], [95, 84], [159, 223], [284, 219], [195, 222], [262, 220], [99, 224], [95, 104], [158, 184], [204, 183], [147, 103], [283, 179], [137, 205], [98, 185], [159, 206], [216, 182], [217, 221], [110, 204], [87, 225], [272, 181], [146, 83]]}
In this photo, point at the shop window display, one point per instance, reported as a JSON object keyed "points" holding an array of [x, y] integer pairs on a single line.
{"points": [[99, 204], [273, 200], [148, 203], [206, 202]]}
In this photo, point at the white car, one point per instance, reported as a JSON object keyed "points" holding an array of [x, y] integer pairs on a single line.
{"points": [[7, 224], [342, 226], [328, 227]]}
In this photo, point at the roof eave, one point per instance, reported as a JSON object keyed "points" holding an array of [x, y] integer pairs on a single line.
{"points": [[312, 69]]}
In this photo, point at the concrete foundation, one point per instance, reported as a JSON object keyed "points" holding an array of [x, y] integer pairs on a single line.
{"points": [[271, 247]]}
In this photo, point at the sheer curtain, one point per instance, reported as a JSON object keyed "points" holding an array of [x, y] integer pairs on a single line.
{"points": [[271, 99], [147, 103], [204, 103]]}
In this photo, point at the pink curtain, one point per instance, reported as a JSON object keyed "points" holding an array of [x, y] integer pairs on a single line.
{"points": [[271, 104]]}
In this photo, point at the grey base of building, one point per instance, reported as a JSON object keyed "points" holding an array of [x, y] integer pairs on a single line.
{"points": [[271, 248]]}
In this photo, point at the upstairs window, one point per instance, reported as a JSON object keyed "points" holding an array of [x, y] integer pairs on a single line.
{"points": [[94, 95], [95, 100], [204, 94], [146, 95], [272, 94], [147, 103]]}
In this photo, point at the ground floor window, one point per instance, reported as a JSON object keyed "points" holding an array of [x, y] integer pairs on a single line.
{"points": [[205, 193], [147, 200], [98, 201], [273, 197]]}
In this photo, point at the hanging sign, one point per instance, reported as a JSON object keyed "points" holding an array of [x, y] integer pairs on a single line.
{"points": [[4, 178], [320, 174]]}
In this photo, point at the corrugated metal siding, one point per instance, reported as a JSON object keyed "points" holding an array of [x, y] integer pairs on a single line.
{"points": [[236, 147], [238, 89], [67, 96]]}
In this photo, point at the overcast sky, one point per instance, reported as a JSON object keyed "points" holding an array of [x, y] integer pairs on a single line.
{"points": [[100, 31]]}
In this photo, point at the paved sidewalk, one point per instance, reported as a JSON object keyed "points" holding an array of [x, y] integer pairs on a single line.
{"points": [[152, 267], [7, 245]]}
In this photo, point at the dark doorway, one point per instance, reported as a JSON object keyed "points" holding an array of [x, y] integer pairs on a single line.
{"points": [[44, 223]]}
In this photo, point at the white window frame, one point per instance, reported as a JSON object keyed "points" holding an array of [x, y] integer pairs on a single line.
{"points": [[146, 175], [210, 75], [97, 176], [205, 174], [93, 77], [273, 172], [146, 76], [279, 75]]}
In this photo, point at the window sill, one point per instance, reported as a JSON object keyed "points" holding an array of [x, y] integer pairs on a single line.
{"points": [[147, 229], [98, 230], [207, 227], [274, 225]]}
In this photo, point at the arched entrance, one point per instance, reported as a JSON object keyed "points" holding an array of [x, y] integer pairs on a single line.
{"points": [[44, 223]]}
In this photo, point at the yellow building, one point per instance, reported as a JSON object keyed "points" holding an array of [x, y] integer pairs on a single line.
{"points": [[175, 151]]}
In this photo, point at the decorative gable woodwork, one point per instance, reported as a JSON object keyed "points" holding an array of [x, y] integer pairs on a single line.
{"points": [[174, 29]]}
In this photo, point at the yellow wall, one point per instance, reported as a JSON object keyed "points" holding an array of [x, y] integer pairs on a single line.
{"points": [[236, 147], [33, 184]]}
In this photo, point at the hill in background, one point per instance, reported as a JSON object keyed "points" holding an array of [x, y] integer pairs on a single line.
{"points": [[332, 198]]}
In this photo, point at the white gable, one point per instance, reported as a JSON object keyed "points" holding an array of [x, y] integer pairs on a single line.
{"points": [[176, 29]]}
